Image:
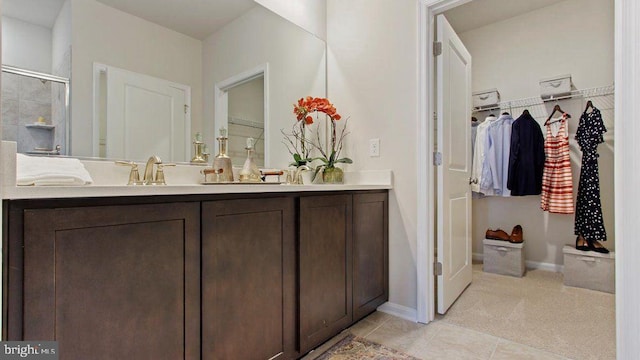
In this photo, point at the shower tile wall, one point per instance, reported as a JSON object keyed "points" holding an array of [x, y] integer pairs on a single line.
{"points": [[24, 99]]}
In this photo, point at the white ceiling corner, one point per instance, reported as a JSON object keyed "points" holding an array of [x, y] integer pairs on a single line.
{"points": [[37, 12], [479, 13], [195, 18]]}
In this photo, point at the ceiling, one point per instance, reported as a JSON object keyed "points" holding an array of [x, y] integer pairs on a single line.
{"points": [[195, 18], [43, 13], [479, 13]]}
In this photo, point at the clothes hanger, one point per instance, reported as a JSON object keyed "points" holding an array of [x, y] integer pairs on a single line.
{"points": [[525, 112], [474, 119], [556, 108], [589, 105], [505, 113]]}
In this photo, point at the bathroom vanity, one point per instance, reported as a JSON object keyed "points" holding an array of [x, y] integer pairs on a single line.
{"points": [[240, 272]]}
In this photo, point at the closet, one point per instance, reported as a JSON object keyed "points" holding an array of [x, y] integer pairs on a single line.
{"points": [[512, 55]]}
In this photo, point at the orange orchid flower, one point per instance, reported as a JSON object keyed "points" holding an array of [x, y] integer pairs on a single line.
{"points": [[309, 105]]}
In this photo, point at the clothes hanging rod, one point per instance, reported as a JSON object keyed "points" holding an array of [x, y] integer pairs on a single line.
{"points": [[537, 100]]}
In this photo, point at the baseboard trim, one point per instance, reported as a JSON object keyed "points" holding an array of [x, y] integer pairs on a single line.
{"points": [[533, 265], [400, 311]]}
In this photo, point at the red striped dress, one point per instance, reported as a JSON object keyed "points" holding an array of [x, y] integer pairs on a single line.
{"points": [[557, 183]]}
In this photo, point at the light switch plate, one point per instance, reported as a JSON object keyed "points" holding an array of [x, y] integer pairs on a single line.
{"points": [[374, 147]]}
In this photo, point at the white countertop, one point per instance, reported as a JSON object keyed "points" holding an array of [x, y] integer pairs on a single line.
{"points": [[41, 192], [110, 180]]}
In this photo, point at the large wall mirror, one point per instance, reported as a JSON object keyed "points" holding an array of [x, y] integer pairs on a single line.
{"points": [[144, 75]]}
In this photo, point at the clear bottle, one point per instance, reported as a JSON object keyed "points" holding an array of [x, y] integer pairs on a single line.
{"points": [[198, 146], [250, 172], [222, 161]]}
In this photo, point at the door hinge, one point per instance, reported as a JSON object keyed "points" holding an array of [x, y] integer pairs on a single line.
{"points": [[437, 48], [437, 268], [437, 158], [186, 109]]}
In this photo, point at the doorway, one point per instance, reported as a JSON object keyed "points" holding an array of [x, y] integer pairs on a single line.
{"points": [[242, 106], [426, 250]]}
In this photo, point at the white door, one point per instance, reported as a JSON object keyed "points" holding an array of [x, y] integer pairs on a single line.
{"points": [[453, 69], [146, 116]]}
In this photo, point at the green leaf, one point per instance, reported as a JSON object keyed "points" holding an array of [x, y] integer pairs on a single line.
{"points": [[318, 169], [297, 158], [344, 161]]}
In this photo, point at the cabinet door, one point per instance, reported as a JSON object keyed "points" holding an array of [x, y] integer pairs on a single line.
{"points": [[114, 282], [248, 279], [325, 268], [370, 253]]}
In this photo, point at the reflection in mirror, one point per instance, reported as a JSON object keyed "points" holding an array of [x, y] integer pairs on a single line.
{"points": [[34, 111], [246, 120], [194, 46], [293, 61], [137, 114]]}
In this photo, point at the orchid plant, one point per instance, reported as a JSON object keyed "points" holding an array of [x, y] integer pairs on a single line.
{"points": [[300, 147], [296, 141]]}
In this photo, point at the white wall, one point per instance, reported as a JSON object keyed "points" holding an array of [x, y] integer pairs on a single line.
{"points": [[373, 79], [296, 69], [627, 178], [571, 37], [1, 157], [26, 45], [311, 15], [109, 36], [61, 38]]}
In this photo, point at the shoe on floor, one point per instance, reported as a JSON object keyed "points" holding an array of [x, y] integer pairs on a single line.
{"points": [[516, 235], [497, 234], [582, 244], [594, 245]]}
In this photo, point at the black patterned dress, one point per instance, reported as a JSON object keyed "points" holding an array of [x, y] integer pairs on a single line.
{"points": [[588, 221]]}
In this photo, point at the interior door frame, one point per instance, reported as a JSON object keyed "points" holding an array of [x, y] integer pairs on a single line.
{"points": [[427, 173], [626, 146], [221, 102]]}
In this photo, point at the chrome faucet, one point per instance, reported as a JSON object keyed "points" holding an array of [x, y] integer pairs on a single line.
{"points": [[148, 178]]}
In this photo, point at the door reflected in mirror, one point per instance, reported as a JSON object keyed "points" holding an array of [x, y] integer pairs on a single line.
{"points": [[137, 115]]}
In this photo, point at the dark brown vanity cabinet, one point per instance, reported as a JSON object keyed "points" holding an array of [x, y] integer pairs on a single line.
{"points": [[343, 262], [248, 279], [108, 282], [370, 253], [325, 268], [260, 276]]}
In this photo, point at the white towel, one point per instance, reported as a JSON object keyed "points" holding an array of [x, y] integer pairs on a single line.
{"points": [[50, 171]]}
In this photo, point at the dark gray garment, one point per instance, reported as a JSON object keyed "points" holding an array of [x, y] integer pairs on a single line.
{"points": [[526, 160]]}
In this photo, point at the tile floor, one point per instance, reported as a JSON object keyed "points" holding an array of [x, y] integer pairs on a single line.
{"points": [[489, 321]]}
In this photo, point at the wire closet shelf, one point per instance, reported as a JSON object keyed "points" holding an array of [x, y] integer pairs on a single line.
{"points": [[602, 98]]}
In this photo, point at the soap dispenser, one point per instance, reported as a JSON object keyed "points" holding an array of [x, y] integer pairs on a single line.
{"points": [[250, 172], [222, 161]]}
